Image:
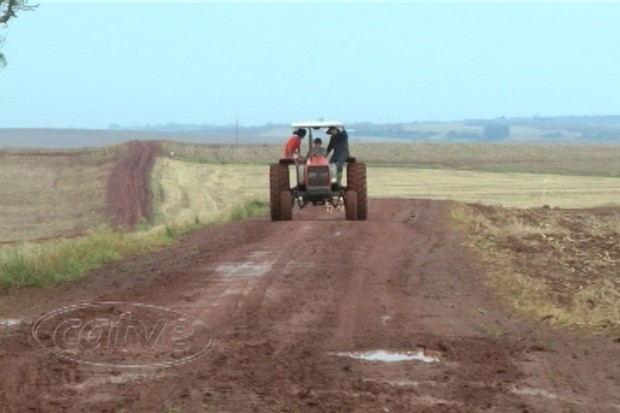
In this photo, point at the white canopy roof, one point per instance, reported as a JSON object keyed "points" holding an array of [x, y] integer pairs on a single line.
{"points": [[318, 124]]}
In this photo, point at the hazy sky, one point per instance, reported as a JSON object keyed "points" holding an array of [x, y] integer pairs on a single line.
{"points": [[87, 64]]}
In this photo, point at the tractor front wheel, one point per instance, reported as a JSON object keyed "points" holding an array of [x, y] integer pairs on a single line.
{"points": [[278, 184], [286, 206], [350, 205], [356, 181]]}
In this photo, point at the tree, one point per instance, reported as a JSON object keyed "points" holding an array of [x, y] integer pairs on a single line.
{"points": [[496, 131], [8, 11]]}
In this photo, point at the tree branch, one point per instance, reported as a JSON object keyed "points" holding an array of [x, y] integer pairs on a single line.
{"points": [[8, 13], [11, 7]]}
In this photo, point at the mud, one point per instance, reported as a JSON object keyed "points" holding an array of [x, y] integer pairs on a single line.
{"points": [[281, 298], [129, 194]]}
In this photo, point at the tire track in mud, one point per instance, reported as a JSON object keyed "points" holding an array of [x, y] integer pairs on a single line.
{"points": [[129, 194]]}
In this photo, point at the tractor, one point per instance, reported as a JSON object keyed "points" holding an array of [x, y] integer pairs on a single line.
{"points": [[316, 182]]}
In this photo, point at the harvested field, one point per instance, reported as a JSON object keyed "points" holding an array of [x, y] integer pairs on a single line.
{"points": [[46, 194], [189, 190], [598, 160], [555, 265]]}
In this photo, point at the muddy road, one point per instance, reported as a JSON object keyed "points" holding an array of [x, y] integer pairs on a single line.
{"points": [[129, 194], [290, 308]]}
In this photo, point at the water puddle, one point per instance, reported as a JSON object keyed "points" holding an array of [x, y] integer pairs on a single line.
{"points": [[117, 379], [9, 322], [528, 391], [257, 254], [390, 357], [243, 269], [396, 383]]}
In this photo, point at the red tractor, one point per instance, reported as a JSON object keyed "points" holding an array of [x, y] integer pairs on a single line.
{"points": [[316, 182]]}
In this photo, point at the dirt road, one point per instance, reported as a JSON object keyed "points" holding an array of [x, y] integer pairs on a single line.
{"points": [[129, 194], [287, 303]]}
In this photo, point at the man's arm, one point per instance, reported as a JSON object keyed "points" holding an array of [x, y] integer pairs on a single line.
{"points": [[330, 146]]}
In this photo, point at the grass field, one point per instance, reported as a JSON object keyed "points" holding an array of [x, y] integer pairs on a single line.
{"points": [[64, 259], [495, 188], [537, 158], [190, 190], [45, 194]]}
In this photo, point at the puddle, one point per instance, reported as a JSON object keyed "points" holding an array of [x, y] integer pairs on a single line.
{"points": [[396, 383], [243, 269], [293, 267], [390, 357], [122, 378], [528, 391], [9, 322], [257, 254], [127, 377]]}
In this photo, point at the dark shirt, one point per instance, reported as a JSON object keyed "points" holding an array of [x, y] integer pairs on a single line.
{"points": [[340, 144]]}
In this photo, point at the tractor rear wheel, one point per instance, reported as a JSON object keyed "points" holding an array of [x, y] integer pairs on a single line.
{"points": [[278, 183], [350, 205], [286, 206], [356, 181]]}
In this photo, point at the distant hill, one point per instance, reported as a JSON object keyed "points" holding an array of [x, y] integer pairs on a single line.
{"points": [[553, 130], [565, 129]]}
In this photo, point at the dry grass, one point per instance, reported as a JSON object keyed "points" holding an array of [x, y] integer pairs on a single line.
{"points": [[536, 158], [509, 189], [46, 194], [555, 265], [201, 153], [189, 190]]}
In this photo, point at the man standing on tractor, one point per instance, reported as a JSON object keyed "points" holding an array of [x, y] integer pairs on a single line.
{"points": [[292, 146], [339, 143]]}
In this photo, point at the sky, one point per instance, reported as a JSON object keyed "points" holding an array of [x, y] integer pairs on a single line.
{"points": [[90, 64]]}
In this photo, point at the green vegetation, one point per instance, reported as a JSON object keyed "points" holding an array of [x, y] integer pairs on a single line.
{"points": [[40, 264], [248, 210]]}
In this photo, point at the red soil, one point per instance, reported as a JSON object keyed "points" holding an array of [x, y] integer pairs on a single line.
{"points": [[282, 297], [129, 195]]}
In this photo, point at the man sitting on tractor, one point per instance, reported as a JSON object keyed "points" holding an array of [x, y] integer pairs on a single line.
{"points": [[292, 146], [316, 149]]}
